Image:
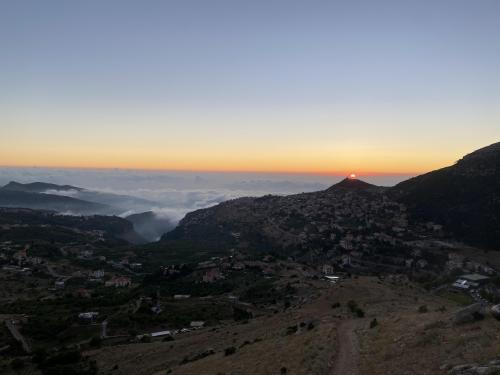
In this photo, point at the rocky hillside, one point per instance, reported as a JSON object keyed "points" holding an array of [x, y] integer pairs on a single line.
{"points": [[352, 214], [348, 216], [465, 197]]}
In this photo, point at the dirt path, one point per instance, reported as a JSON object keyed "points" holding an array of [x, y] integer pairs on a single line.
{"points": [[346, 360], [18, 336]]}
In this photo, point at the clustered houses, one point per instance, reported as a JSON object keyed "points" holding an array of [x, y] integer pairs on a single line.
{"points": [[119, 282], [343, 228]]}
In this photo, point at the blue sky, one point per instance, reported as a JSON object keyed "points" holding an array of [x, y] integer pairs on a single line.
{"points": [[384, 86]]}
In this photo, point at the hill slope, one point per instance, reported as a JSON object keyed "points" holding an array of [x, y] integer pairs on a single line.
{"points": [[465, 197], [15, 198]]}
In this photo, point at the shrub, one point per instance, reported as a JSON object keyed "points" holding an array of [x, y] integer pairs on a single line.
{"points": [[95, 341], [335, 305], [291, 330], [423, 309], [229, 351], [17, 364], [360, 313], [146, 338], [352, 305], [374, 323]]}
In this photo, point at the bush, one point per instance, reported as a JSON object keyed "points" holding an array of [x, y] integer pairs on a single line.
{"points": [[360, 313], [95, 341], [335, 305], [291, 330], [241, 314], [423, 309], [352, 305], [17, 364], [374, 323], [229, 351]]}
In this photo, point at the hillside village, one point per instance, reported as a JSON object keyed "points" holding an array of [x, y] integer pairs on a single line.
{"points": [[223, 268]]}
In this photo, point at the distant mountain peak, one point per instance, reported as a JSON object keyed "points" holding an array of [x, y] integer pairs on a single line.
{"points": [[351, 183]]}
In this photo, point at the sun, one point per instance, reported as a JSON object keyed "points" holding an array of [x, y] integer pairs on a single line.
{"points": [[352, 176]]}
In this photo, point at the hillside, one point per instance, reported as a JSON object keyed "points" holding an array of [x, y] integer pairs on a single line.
{"points": [[28, 225], [465, 197], [18, 198], [38, 187]]}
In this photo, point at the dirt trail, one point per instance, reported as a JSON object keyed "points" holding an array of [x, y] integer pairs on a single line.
{"points": [[346, 360]]}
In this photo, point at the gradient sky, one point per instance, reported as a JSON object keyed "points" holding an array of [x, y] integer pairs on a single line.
{"points": [[296, 86]]}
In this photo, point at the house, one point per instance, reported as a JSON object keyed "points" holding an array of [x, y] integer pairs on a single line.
{"points": [[475, 279], [81, 293], [98, 274], [211, 275], [461, 284], [119, 282], [88, 316], [197, 324], [60, 284], [327, 269], [156, 309]]}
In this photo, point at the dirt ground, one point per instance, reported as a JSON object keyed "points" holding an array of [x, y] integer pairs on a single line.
{"points": [[336, 342]]}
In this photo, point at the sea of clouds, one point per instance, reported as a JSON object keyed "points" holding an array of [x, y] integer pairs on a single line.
{"points": [[172, 194]]}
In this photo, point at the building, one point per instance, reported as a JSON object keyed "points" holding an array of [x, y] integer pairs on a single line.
{"points": [[119, 282], [197, 324], [88, 316], [98, 274], [60, 284], [212, 275], [327, 269], [475, 279]]}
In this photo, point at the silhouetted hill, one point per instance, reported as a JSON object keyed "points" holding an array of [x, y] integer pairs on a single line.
{"points": [[38, 187], [101, 202], [28, 224], [13, 198], [353, 184], [465, 197]]}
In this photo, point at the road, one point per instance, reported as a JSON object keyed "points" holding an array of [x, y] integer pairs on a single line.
{"points": [[17, 335], [346, 359]]}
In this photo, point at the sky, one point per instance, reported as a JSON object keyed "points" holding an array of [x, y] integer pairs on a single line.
{"points": [[321, 87]]}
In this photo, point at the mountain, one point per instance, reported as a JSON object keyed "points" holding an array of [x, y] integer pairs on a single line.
{"points": [[297, 223], [27, 224], [83, 201], [38, 187], [353, 184], [149, 225], [464, 197], [16, 198]]}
